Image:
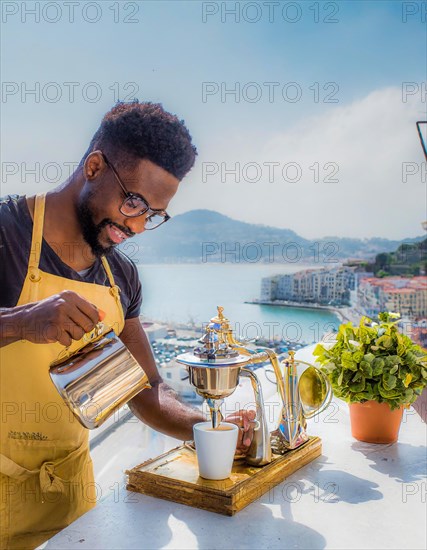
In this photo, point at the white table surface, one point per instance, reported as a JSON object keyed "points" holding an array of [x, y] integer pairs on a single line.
{"points": [[356, 495]]}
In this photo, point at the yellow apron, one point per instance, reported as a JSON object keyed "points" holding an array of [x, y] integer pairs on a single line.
{"points": [[46, 473]]}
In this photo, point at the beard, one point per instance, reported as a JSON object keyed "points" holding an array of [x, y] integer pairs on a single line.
{"points": [[91, 230]]}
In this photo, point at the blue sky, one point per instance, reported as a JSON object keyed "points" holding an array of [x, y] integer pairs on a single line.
{"points": [[361, 60]]}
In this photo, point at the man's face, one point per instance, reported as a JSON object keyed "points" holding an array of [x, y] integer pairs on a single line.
{"points": [[103, 225]]}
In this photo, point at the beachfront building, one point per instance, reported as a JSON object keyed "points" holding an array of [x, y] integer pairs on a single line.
{"points": [[404, 295], [317, 286], [285, 287], [269, 288]]}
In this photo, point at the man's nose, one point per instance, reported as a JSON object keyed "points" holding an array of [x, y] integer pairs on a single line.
{"points": [[137, 224]]}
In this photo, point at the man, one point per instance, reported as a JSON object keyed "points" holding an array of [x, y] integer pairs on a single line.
{"points": [[60, 269]]}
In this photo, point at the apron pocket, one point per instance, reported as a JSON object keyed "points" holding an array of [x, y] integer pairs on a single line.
{"points": [[51, 497]]}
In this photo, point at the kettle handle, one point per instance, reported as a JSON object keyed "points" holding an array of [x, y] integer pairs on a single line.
{"points": [[326, 403], [99, 330], [329, 393]]}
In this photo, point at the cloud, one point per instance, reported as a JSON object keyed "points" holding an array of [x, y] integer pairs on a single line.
{"points": [[373, 151]]}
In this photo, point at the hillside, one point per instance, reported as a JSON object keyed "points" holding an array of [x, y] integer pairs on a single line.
{"points": [[408, 259], [205, 235]]}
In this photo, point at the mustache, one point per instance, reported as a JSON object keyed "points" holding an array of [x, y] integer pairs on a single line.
{"points": [[124, 230]]}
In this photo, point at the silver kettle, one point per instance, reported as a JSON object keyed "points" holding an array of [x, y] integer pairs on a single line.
{"points": [[98, 378]]}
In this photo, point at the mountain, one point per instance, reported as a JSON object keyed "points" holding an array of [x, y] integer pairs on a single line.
{"points": [[208, 236]]}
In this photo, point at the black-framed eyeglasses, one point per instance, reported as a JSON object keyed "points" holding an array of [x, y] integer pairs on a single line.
{"points": [[135, 205]]}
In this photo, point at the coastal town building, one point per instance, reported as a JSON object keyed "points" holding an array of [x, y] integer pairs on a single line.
{"points": [[419, 333], [269, 288], [404, 295], [318, 286]]}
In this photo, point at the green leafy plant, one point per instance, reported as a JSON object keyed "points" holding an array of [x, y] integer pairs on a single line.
{"points": [[374, 362]]}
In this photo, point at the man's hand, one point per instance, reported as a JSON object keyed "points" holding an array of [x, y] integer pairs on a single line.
{"points": [[245, 421], [62, 318]]}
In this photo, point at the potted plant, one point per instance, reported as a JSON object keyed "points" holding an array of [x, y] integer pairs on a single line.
{"points": [[378, 371]]}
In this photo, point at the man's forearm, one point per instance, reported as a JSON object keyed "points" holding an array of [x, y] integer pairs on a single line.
{"points": [[10, 324], [161, 409], [160, 406]]}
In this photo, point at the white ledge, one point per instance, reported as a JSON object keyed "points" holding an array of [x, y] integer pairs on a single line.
{"points": [[356, 495]]}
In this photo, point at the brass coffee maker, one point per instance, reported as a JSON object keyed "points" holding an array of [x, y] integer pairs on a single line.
{"points": [[215, 368]]}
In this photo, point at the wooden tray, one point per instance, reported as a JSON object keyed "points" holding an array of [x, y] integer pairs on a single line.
{"points": [[175, 476]]}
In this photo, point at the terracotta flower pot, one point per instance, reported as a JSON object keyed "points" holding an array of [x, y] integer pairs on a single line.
{"points": [[375, 422]]}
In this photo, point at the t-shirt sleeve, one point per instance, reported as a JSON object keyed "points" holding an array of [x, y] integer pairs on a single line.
{"points": [[15, 239], [134, 308]]}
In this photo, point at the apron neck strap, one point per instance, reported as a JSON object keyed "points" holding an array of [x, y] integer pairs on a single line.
{"points": [[37, 237], [108, 271], [114, 290]]}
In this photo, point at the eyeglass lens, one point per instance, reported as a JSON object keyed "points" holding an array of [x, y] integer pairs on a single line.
{"points": [[135, 206]]}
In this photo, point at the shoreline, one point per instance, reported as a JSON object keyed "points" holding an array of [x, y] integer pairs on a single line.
{"points": [[345, 314], [298, 305]]}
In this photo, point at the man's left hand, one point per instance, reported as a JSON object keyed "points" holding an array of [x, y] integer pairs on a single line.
{"points": [[245, 421]]}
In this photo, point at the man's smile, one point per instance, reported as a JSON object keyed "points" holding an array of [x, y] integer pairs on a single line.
{"points": [[115, 234]]}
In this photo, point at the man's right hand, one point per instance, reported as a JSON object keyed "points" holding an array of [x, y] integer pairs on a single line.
{"points": [[62, 318]]}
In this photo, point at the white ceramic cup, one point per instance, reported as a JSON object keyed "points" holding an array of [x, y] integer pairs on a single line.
{"points": [[215, 449]]}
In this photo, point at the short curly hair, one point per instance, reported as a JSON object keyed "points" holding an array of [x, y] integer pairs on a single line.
{"points": [[138, 130]]}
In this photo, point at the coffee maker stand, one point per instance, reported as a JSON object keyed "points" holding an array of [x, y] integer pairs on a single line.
{"points": [[175, 476]]}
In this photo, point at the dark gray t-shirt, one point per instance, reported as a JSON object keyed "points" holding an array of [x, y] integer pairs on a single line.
{"points": [[16, 226]]}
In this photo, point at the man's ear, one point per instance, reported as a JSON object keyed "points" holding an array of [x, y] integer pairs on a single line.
{"points": [[93, 166]]}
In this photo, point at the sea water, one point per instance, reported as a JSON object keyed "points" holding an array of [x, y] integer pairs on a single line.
{"points": [[190, 293]]}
